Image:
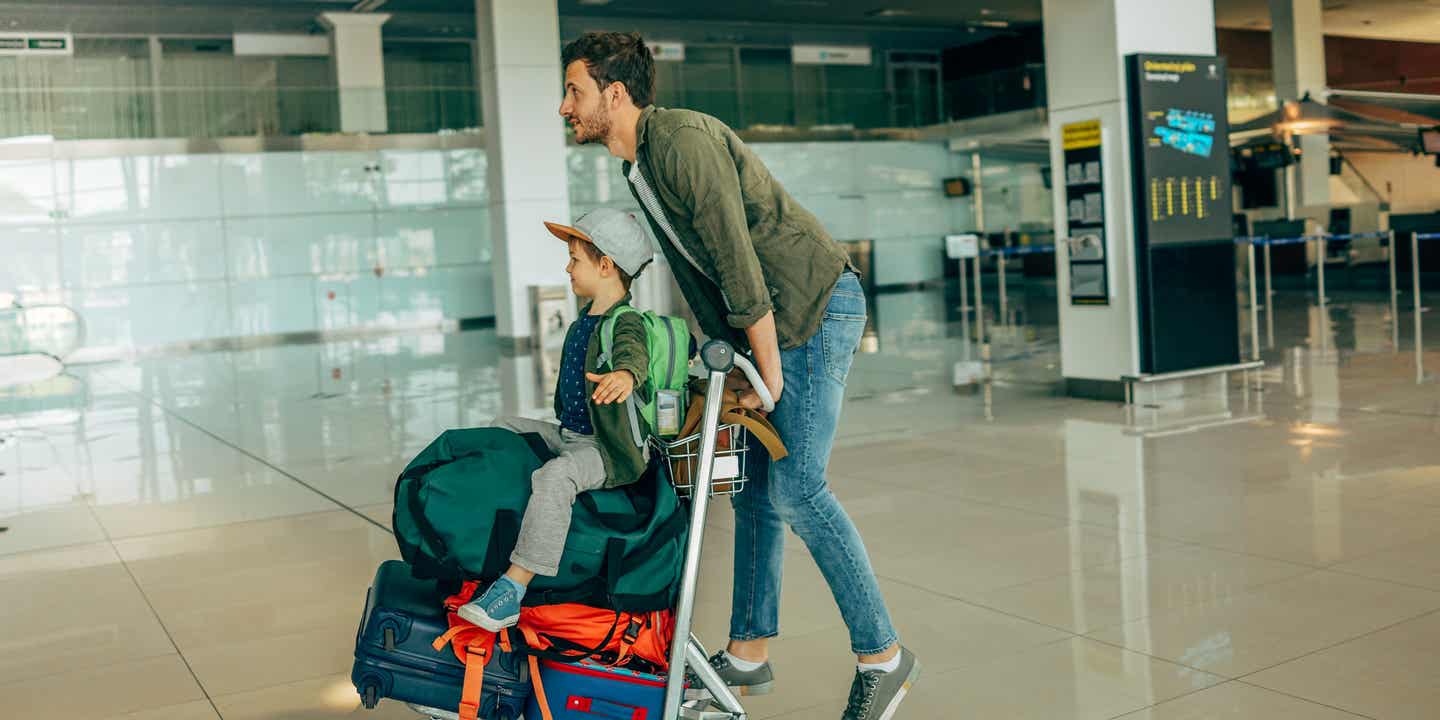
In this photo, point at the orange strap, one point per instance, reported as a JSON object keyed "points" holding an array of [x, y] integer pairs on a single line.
{"points": [[476, 657], [534, 640], [479, 643]]}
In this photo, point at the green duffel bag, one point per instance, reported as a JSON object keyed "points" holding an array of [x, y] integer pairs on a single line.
{"points": [[458, 507]]}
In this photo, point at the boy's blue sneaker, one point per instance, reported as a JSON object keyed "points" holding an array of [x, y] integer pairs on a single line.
{"points": [[498, 608]]}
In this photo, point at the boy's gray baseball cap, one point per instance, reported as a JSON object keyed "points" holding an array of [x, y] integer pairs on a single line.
{"points": [[615, 232]]}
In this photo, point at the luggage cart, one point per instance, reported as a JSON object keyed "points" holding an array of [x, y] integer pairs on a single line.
{"points": [[686, 651]]}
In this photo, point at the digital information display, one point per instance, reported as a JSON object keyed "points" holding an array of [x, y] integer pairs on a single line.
{"points": [[1182, 149], [1085, 212]]}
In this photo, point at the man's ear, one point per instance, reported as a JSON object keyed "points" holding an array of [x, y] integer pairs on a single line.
{"points": [[616, 92]]}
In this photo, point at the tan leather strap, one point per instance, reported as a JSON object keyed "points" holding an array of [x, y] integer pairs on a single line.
{"points": [[758, 426]]}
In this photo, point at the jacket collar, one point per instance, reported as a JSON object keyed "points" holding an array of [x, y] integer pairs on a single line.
{"points": [[641, 126]]}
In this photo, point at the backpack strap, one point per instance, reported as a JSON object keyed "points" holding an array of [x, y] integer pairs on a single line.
{"points": [[478, 646], [607, 345], [533, 640]]}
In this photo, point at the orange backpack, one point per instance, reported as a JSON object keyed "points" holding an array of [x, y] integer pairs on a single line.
{"points": [[567, 632]]}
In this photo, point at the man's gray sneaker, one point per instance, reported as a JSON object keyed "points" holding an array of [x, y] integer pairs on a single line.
{"points": [[759, 681], [876, 695]]}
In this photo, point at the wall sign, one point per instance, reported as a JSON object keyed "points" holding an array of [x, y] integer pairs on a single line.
{"points": [[958, 247], [667, 51], [37, 44], [1085, 213], [830, 55], [1182, 148]]}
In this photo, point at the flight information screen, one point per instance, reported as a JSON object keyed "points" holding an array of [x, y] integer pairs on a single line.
{"points": [[1181, 147]]}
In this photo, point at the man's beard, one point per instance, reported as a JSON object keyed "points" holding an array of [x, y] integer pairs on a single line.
{"points": [[595, 127]]}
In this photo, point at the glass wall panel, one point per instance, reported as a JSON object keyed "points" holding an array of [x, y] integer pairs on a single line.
{"points": [[768, 87], [855, 95], [99, 92], [430, 86], [708, 79], [206, 91]]}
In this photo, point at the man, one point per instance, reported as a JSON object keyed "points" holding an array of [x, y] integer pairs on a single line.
{"points": [[759, 271]]}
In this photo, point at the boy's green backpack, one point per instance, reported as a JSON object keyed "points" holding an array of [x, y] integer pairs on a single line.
{"points": [[657, 406]]}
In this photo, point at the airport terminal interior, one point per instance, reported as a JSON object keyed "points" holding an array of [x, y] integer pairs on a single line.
{"points": [[1144, 422]]}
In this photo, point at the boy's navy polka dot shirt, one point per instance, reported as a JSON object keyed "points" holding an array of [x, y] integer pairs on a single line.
{"points": [[574, 399]]}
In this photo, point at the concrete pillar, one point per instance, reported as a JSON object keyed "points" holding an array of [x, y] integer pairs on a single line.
{"points": [[355, 55], [520, 84], [1086, 42], [1297, 49]]}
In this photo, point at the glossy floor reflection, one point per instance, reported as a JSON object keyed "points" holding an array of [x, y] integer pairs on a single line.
{"points": [[191, 537]]}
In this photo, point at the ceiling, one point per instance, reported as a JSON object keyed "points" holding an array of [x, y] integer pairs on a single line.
{"points": [[1414, 20], [1417, 20], [885, 13]]}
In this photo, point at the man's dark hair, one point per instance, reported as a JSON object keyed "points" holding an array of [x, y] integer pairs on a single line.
{"points": [[616, 57], [595, 254]]}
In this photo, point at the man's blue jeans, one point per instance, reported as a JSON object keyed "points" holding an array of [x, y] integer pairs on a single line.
{"points": [[795, 492]]}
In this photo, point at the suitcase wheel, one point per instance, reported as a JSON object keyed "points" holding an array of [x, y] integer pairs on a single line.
{"points": [[389, 639], [370, 696]]}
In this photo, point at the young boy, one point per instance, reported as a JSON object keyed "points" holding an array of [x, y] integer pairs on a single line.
{"points": [[593, 439]]}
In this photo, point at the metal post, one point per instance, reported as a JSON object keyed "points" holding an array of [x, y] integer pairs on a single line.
{"points": [[977, 184], [1324, 328], [965, 304], [979, 307], [1290, 191], [1415, 280], [1394, 296], [978, 190], [964, 287], [1254, 307], [1004, 305], [699, 503], [1269, 302]]}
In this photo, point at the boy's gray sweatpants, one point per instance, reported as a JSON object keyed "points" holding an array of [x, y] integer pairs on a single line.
{"points": [[554, 486]]}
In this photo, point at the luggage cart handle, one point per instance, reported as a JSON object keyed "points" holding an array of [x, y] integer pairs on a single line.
{"points": [[720, 357]]}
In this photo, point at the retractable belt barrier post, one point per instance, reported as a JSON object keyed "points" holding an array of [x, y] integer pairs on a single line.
{"points": [[1250, 242], [1415, 238], [1002, 255]]}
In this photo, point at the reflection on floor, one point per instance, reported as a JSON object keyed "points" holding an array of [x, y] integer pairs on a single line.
{"points": [[191, 537]]}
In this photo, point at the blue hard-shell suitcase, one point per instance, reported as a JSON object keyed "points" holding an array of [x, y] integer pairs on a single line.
{"points": [[394, 658]]}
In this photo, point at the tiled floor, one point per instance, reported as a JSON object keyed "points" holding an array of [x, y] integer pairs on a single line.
{"points": [[191, 537]]}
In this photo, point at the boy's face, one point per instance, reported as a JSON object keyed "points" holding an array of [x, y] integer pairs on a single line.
{"points": [[586, 275]]}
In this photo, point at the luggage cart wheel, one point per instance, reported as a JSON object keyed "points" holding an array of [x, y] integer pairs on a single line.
{"points": [[389, 639], [370, 697]]}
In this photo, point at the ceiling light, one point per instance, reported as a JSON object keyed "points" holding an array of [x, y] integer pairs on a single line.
{"points": [[595, 3], [889, 13]]}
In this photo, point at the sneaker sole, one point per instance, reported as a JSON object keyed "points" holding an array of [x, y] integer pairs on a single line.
{"points": [[900, 696], [478, 617]]}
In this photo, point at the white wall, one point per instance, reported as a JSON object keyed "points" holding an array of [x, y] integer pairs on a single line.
{"points": [[1413, 182]]}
